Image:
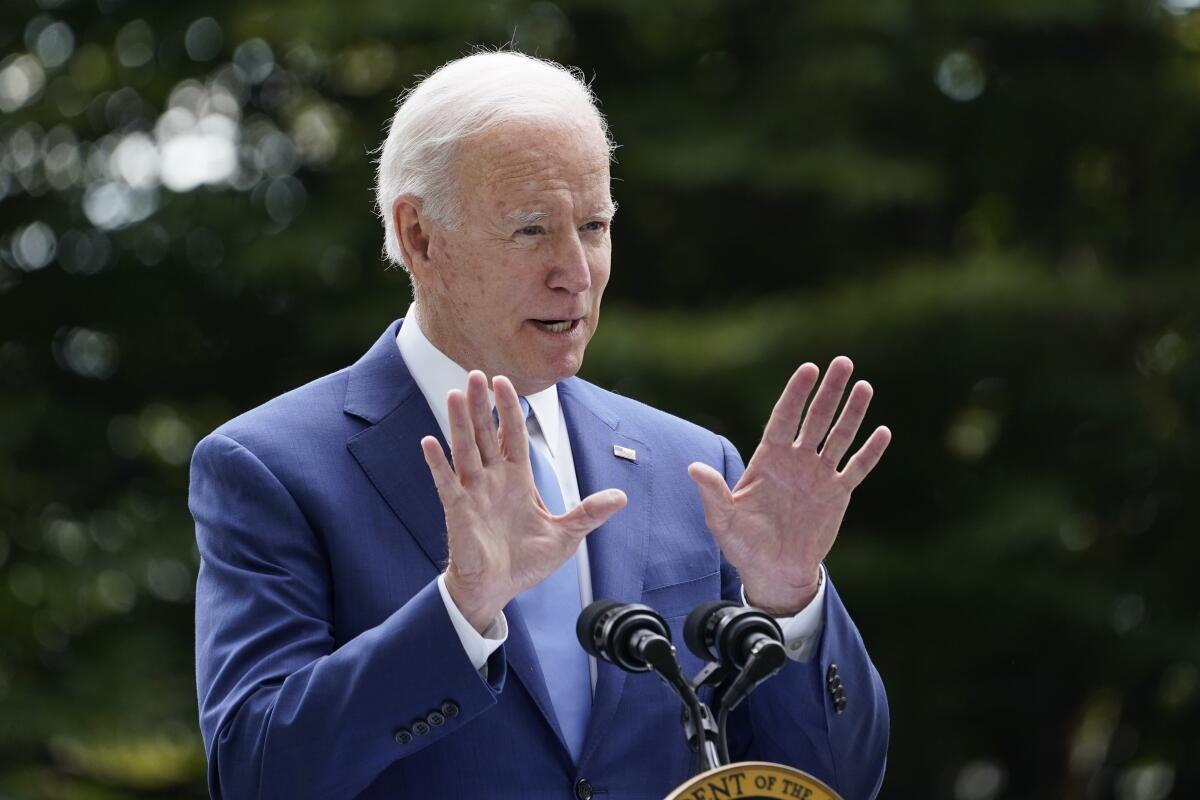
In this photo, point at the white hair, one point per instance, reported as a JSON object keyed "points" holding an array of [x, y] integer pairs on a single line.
{"points": [[462, 99]]}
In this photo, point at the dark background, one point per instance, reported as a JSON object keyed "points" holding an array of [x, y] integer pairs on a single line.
{"points": [[993, 207]]}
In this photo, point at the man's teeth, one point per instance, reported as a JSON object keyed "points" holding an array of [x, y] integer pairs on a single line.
{"points": [[556, 327]]}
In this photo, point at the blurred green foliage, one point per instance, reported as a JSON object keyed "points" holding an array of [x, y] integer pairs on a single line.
{"points": [[993, 207]]}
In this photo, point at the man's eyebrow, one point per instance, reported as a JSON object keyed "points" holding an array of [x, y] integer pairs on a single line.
{"points": [[521, 218], [606, 211]]}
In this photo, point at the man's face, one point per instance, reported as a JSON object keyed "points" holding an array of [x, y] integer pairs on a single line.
{"points": [[515, 288]]}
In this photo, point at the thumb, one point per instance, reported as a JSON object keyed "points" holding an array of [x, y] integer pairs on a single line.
{"points": [[593, 511], [714, 494]]}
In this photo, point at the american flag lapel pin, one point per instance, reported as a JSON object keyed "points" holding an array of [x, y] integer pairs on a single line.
{"points": [[625, 453]]}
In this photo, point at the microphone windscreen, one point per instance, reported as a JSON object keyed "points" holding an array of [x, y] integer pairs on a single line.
{"points": [[585, 626], [694, 626]]}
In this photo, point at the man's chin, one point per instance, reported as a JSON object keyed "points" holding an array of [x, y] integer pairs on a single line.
{"points": [[546, 374]]}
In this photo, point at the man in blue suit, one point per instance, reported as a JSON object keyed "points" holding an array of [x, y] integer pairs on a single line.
{"points": [[377, 619]]}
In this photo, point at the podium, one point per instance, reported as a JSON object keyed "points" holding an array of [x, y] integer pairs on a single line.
{"points": [[753, 780]]}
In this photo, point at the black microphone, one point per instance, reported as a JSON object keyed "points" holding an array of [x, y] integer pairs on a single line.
{"points": [[636, 639], [729, 633], [632, 636], [743, 642]]}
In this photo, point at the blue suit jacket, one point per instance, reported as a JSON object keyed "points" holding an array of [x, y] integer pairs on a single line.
{"points": [[320, 631]]}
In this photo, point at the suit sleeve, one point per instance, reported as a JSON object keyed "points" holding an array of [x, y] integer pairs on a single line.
{"points": [[285, 712], [793, 718]]}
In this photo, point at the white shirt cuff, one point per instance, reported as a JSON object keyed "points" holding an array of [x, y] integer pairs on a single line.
{"points": [[802, 631], [479, 647]]}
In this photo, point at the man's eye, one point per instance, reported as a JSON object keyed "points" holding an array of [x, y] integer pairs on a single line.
{"points": [[530, 230], [596, 225]]}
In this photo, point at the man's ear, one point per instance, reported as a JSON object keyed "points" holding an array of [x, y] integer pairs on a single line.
{"points": [[413, 233]]}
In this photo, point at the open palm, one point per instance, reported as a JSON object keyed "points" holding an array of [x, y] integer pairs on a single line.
{"points": [[781, 519], [500, 536]]}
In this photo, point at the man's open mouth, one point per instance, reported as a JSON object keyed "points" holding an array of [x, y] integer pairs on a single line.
{"points": [[556, 325]]}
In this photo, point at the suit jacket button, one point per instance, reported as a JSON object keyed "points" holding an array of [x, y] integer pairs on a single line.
{"points": [[435, 718], [450, 709], [583, 789], [832, 674], [402, 737], [839, 705], [420, 727]]}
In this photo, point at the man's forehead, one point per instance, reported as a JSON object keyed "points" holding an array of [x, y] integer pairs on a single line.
{"points": [[522, 151], [533, 203], [524, 173]]}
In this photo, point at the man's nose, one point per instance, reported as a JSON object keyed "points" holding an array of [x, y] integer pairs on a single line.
{"points": [[570, 270]]}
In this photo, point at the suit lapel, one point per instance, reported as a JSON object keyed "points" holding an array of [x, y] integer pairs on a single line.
{"points": [[617, 549], [381, 390]]}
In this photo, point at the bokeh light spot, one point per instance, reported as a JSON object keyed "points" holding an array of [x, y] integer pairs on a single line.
{"points": [[63, 165], [192, 159], [960, 76], [204, 39], [253, 61], [67, 538], [1180, 7], [1152, 781], [90, 68], [1078, 533], [1179, 684], [284, 200], [981, 779], [317, 132], [973, 433], [55, 44], [21, 78], [111, 205], [151, 244], [84, 252], [169, 436], [364, 70], [116, 591], [87, 353], [169, 579], [1127, 613], [34, 246], [135, 44], [135, 161]]}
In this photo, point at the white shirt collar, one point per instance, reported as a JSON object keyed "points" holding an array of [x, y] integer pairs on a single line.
{"points": [[436, 374]]}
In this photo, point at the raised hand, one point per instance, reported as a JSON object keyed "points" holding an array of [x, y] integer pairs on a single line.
{"points": [[783, 516], [501, 538]]}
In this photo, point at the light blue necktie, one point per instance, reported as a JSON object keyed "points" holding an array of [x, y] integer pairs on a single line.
{"points": [[550, 610]]}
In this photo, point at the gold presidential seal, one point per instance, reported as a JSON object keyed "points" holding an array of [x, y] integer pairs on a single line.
{"points": [[753, 780]]}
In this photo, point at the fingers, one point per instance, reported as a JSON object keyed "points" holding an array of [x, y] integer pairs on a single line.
{"points": [[715, 495], [481, 417], [820, 413], [439, 468], [862, 462], [463, 447], [844, 431], [593, 511], [514, 437], [475, 441], [785, 417]]}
